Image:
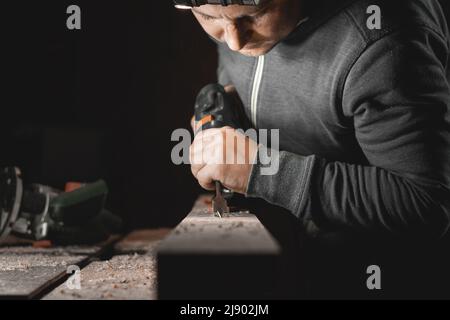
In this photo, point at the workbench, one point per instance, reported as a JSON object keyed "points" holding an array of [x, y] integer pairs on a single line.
{"points": [[120, 268], [125, 267], [205, 257]]}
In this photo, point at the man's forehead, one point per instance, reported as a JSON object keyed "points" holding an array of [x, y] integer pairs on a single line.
{"points": [[232, 10]]}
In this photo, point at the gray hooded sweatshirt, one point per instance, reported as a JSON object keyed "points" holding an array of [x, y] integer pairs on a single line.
{"points": [[363, 117]]}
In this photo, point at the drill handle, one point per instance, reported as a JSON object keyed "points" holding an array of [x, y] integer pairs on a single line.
{"points": [[215, 108]]}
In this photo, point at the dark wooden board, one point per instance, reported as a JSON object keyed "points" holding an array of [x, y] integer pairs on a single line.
{"points": [[27, 272], [129, 274], [207, 257]]}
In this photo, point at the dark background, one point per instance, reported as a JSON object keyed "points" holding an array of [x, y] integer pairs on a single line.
{"points": [[102, 102]]}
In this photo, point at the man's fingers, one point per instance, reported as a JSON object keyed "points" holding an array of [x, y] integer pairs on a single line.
{"points": [[195, 168], [202, 153], [205, 177], [204, 150], [207, 148], [207, 155], [193, 123]]}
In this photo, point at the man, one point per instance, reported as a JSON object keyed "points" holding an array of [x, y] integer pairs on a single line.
{"points": [[363, 112]]}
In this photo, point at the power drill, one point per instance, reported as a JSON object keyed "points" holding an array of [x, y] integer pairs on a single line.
{"points": [[214, 108]]}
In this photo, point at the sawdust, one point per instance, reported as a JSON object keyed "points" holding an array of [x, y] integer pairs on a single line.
{"points": [[140, 241], [21, 274], [25, 258], [53, 251], [129, 274], [25, 262]]}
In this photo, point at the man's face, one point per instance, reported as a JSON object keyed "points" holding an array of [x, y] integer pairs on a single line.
{"points": [[250, 30]]}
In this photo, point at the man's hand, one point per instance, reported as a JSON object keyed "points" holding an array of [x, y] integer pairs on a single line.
{"points": [[225, 155]]}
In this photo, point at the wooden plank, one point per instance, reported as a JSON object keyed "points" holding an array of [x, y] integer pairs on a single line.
{"points": [[207, 257], [129, 274], [27, 272], [141, 241], [122, 277]]}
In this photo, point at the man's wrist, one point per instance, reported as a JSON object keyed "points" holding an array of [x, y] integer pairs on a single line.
{"points": [[287, 185], [254, 168]]}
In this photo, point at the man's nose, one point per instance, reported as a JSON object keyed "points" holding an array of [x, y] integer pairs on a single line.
{"points": [[234, 37]]}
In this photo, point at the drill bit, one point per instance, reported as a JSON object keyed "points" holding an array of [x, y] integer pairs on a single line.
{"points": [[219, 204]]}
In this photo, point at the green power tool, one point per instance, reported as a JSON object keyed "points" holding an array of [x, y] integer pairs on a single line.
{"points": [[40, 212]]}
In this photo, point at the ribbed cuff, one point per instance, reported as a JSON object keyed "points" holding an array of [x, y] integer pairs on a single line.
{"points": [[288, 187]]}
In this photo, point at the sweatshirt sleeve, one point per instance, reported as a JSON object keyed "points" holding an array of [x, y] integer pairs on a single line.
{"points": [[398, 97]]}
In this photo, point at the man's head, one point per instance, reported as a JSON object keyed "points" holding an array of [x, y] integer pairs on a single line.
{"points": [[250, 30]]}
